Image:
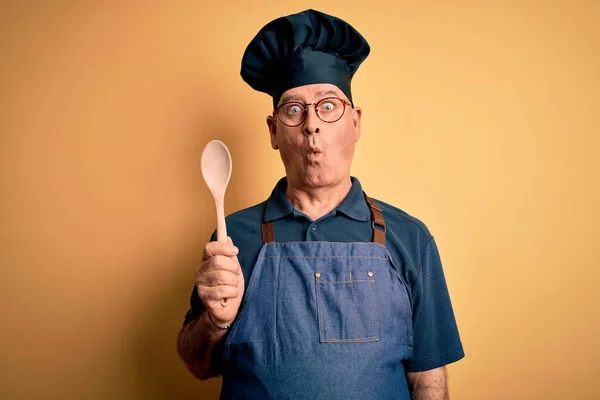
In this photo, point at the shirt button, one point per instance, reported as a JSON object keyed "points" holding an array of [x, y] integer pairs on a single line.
{"points": [[314, 227], [370, 273], [317, 274]]}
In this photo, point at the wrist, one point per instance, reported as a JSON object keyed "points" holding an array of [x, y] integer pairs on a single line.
{"points": [[218, 325]]}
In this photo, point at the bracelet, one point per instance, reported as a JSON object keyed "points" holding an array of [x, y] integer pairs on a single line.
{"points": [[223, 328]]}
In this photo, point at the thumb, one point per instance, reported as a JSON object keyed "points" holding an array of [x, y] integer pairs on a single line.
{"points": [[234, 253], [232, 248]]}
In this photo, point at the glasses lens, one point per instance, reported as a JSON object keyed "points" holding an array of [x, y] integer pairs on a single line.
{"points": [[330, 109], [291, 113]]}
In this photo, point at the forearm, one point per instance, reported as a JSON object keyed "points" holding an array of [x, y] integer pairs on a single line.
{"points": [[196, 345], [428, 385]]}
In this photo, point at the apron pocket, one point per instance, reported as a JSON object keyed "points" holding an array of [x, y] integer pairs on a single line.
{"points": [[347, 309]]}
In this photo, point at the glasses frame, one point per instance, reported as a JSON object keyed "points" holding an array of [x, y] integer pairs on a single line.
{"points": [[315, 104]]}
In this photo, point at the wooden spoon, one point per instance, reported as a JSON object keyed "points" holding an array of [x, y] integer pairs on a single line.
{"points": [[216, 170]]}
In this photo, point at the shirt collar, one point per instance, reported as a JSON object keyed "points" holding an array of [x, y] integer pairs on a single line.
{"points": [[354, 204]]}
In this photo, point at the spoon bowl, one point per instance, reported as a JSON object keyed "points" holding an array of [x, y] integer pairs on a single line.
{"points": [[216, 170]]}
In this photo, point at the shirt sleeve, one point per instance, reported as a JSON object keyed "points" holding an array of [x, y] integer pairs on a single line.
{"points": [[196, 308], [436, 341]]}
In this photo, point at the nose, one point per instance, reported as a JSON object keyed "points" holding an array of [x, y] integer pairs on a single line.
{"points": [[312, 121]]}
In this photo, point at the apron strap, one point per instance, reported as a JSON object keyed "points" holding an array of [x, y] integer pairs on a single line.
{"points": [[268, 233], [376, 220]]}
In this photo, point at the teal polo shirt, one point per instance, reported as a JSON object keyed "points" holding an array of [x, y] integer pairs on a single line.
{"points": [[436, 341]]}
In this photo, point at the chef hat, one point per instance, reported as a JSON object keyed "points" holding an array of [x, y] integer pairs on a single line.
{"points": [[302, 49]]}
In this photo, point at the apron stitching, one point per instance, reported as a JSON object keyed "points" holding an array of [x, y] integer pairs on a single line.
{"points": [[366, 339], [367, 257], [407, 312], [375, 309], [347, 282], [319, 313], [276, 317], [325, 242], [354, 308]]}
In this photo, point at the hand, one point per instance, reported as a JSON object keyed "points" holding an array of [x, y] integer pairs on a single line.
{"points": [[220, 277]]}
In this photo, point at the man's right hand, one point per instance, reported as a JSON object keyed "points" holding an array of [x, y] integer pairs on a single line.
{"points": [[220, 277]]}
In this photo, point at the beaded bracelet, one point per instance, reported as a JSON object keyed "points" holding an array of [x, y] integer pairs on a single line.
{"points": [[223, 328]]}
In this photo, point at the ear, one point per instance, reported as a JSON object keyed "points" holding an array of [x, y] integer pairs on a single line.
{"points": [[356, 116], [272, 124]]}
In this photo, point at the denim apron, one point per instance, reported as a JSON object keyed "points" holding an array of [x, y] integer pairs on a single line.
{"points": [[321, 320]]}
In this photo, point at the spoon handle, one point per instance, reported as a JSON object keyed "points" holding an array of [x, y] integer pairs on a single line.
{"points": [[221, 230], [221, 227]]}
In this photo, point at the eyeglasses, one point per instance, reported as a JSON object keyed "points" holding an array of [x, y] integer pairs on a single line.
{"points": [[329, 109]]}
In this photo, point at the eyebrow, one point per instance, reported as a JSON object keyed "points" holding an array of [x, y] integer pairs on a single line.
{"points": [[329, 92], [294, 97], [287, 98]]}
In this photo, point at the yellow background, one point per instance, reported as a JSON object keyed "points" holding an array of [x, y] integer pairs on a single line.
{"points": [[480, 118]]}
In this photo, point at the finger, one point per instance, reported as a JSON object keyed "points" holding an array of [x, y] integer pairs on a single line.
{"points": [[216, 293], [216, 263], [236, 250], [218, 278], [219, 263], [212, 249]]}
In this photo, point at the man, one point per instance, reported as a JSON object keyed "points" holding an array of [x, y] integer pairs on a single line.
{"points": [[330, 294]]}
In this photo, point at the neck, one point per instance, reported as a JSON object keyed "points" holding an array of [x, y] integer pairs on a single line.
{"points": [[316, 202]]}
